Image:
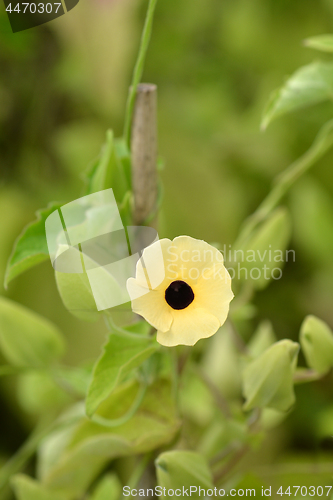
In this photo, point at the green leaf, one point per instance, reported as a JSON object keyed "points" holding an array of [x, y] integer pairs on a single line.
{"points": [[109, 170], [70, 460], [265, 251], [31, 247], [183, 469], [316, 339], [109, 488], [26, 339], [308, 85], [26, 488], [38, 393], [76, 294], [75, 379], [323, 43], [140, 327], [75, 289], [122, 353], [268, 380]]}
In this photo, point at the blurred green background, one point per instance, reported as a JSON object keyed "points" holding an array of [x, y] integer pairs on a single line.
{"points": [[215, 63]]}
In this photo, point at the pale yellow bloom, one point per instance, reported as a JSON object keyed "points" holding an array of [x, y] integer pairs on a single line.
{"points": [[192, 298]]}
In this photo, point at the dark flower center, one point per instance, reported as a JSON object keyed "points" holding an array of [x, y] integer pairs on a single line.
{"points": [[179, 295]]}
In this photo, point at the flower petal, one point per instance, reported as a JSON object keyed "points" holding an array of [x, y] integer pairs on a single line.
{"points": [[150, 304], [189, 325], [213, 292], [188, 258], [152, 264]]}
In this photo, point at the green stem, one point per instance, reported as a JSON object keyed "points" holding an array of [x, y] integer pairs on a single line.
{"points": [[20, 458], [231, 464], [139, 470], [322, 143], [106, 422], [112, 327], [220, 400], [138, 70]]}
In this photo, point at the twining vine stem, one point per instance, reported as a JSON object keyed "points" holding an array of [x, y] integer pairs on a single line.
{"points": [[138, 70], [322, 143]]}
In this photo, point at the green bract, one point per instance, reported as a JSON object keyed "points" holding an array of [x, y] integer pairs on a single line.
{"points": [[183, 469], [316, 339], [268, 380], [111, 169], [262, 339]]}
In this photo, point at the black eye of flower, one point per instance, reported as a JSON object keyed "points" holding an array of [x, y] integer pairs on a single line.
{"points": [[179, 295]]}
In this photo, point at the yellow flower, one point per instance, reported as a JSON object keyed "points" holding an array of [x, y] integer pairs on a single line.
{"points": [[182, 289]]}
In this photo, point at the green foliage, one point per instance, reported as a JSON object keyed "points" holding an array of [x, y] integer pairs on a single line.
{"points": [[31, 246], [178, 469], [71, 459], [262, 339], [308, 85], [26, 339], [137, 398], [38, 393], [111, 169], [76, 294], [122, 353], [312, 212], [265, 249], [222, 363], [324, 43], [316, 339], [109, 488], [26, 488], [268, 380], [75, 378]]}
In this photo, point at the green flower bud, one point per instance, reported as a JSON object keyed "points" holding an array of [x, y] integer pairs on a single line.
{"points": [[262, 338], [316, 339], [268, 380]]}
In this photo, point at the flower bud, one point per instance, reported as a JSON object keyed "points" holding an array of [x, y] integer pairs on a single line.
{"points": [[262, 338], [268, 380], [316, 339]]}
